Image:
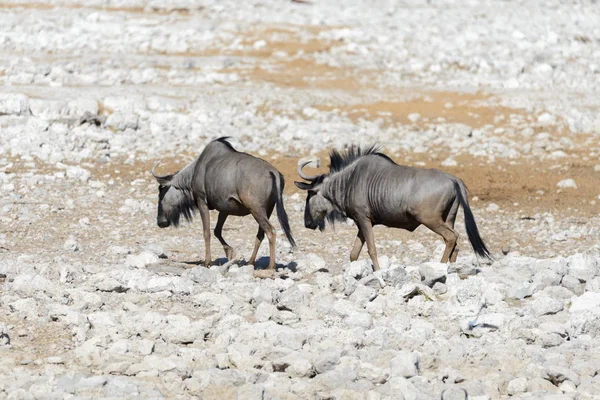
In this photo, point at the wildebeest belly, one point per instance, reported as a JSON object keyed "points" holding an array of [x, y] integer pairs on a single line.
{"points": [[229, 206], [397, 220]]}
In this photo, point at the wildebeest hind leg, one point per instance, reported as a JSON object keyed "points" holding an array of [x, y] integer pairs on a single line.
{"points": [[358, 245], [229, 251], [263, 221], [365, 226], [449, 235], [259, 238], [450, 219]]}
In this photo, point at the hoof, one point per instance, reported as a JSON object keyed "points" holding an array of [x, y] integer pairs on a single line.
{"points": [[264, 273]]}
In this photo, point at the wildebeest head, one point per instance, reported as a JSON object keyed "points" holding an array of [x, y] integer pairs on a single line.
{"points": [[173, 201], [317, 207]]}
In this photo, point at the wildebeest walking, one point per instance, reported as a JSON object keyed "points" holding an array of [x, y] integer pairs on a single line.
{"points": [[231, 182], [371, 189]]}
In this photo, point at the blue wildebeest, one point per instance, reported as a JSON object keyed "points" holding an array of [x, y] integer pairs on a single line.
{"points": [[371, 189], [231, 182]]}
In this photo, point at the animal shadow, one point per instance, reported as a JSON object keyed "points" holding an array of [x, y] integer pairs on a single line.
{"points": [[263, 263], [218, 261]]}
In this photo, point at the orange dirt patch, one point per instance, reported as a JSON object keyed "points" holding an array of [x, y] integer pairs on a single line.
{"points": [[465, 108]]}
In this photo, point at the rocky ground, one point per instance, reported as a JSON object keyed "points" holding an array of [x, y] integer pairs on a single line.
{"points": [[98, 302]]}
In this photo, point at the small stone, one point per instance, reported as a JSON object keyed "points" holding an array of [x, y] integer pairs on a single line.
{"points": [[454, 393], [517, 386], [572, 283], [439, 288], [71, 244], [520, 291], [567, 387], [557, 375], [587, 301], [414, 117], [449, 162], [546, 119], [202, 275], [54, 360], [76, 172], [492, 207], [432, 273], [567, 183], [359, 319], [141, 260], [405, 364], [410, 290], [4, 337], [264, 312], [394, 276], [544, 305]]}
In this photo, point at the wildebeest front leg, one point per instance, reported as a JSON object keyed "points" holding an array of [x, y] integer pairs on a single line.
{"points": [[229, 251], [358, 245], [365, 226], [205, 216]]}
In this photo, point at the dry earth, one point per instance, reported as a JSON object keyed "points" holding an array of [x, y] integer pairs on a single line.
{"points": [[97, 302]]}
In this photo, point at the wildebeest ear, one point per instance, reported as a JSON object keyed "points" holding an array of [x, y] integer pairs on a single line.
{"points": [[165, 181], [303, 185]]}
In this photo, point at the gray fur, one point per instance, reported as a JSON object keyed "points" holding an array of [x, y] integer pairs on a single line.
{"points": [[231, 182], [371, 189]]}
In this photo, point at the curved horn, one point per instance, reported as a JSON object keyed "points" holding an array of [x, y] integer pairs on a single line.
{"points": [[160, 178], [308, 177]]}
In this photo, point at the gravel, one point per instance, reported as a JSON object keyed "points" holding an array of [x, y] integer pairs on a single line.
{"points": [[96, 302]]}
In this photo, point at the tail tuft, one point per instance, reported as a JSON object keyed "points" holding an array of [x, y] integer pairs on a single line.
{"points": [[471, 227], [281, 213]]}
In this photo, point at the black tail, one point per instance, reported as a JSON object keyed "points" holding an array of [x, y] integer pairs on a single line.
{"points": [[281, 214], [472, 231]]}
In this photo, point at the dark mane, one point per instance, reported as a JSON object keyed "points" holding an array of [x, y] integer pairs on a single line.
{"points": [[185, 208], [225, 141], [338, 161]]}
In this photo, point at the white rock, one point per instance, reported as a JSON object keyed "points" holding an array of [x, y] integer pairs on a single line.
{"points": [[567, 183], [544, 305], [71, 244], [583, 267], [405, 364], [4, 335], [311, 263], [359, 319], [414, 117], [76, 172], [517, 386], [141, 260], [264, 312], [546, 119], [493, 207], [199, 274], [13, 104], [449, 162], [558, 374], [587, 301], [520, 290]]}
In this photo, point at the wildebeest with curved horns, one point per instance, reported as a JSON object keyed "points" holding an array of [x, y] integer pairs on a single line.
{"points": [[231, 182], [371, 189]]}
